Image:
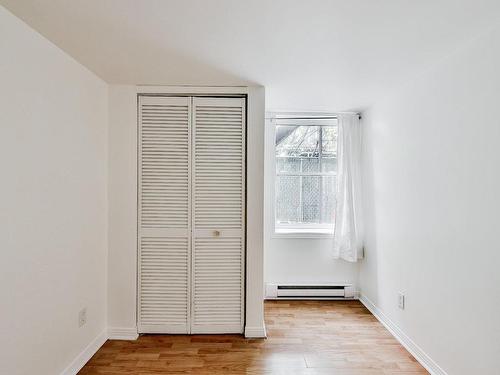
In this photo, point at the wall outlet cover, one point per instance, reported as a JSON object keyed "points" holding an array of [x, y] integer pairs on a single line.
{"points": [[401, 301], [82, 317]]}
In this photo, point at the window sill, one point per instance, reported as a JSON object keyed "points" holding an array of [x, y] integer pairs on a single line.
{"points": [[302, 233]]}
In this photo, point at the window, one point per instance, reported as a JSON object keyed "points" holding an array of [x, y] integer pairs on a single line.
{"points": [[306, 165]]}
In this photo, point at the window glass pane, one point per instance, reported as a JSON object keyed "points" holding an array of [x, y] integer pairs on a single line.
{"points": [[329, 149], [297, 141], [328, 200], [329, 165], [329, 141], [310, 165], [311, 199], [287, 199], [287, 164], [302, 198]]}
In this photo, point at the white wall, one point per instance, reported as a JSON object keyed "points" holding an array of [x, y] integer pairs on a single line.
{"points": [[123, 208], [305, 260], [432, 193], [53, 134], [297, 260], [122, 193]]}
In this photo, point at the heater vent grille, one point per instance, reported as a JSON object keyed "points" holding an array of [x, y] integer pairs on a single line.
{"points": [[308, 291]]}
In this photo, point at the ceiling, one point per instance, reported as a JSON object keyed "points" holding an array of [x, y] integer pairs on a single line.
{"points": [[309, 54]]}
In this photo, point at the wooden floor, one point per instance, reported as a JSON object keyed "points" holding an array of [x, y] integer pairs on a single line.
{"points": [[304, 337]]}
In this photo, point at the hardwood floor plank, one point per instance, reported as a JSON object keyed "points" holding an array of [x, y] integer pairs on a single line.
{"points": [[304, 337]]}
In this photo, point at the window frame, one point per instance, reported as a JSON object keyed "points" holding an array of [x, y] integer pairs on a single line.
{"points": [[295, 119]]}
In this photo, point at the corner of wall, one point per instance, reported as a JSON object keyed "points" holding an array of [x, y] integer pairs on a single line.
{"points": [[87, 353], [256, 332], [425, 360]]}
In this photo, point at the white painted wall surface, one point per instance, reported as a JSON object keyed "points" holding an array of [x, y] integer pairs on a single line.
{"points": [[432, 191], [305, 260], [123, 207], [122, 193], [297, 260], [254, 317], [53, 134]]}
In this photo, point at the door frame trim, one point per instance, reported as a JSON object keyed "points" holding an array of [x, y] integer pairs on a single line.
{"points": [[193, 92]]}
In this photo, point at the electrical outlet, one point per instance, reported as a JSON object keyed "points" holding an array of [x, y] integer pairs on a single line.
{"points": [[82, 317], [401, 301]]}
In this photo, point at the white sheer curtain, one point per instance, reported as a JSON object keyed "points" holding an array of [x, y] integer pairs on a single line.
{"points": [[348, 233]]}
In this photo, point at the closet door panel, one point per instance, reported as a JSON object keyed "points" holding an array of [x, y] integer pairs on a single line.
{"points": [[164, 215], [218, 215]]}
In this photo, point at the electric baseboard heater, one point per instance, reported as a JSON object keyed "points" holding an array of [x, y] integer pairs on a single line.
{"points": [[309, 291]]}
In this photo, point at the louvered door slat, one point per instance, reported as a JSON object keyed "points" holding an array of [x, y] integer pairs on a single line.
{"points": [[164, 215], [218, 215]]}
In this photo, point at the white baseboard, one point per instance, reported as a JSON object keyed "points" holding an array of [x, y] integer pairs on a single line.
{"points": [[408, 343], [120, 333], [255, 332], [86, 354]]}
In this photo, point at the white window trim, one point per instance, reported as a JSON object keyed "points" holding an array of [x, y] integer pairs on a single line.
{"points": [[318, 231], [302, 231]]}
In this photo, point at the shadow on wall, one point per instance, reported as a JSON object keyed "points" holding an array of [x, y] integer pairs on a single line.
{"points": [[161, 66], [133, 57]]}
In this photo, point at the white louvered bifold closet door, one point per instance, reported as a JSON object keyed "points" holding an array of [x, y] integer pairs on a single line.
{"points": [[218, 221], [164, 215]]}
